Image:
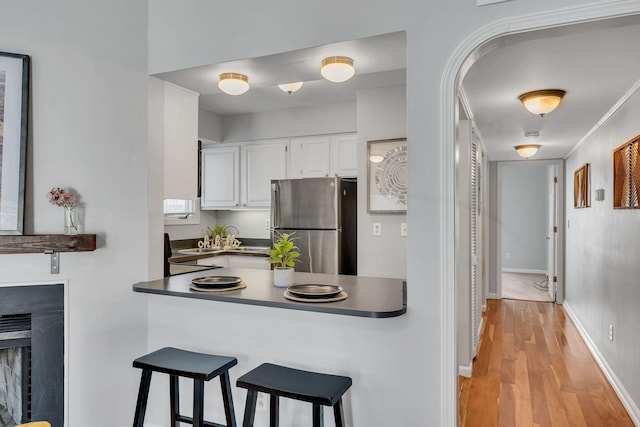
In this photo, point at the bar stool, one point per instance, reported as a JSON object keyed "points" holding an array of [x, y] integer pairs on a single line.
{"points": [[181, 363], [319, 389]]}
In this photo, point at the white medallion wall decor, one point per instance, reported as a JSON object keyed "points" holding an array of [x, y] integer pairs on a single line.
{"points": [[387, 176]]}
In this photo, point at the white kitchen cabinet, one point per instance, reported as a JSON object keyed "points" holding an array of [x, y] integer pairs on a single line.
{"points": [[220, 178], [262, 162], [237, 261], [239, 176], [173, 124], [324, 155], [344, 155]]}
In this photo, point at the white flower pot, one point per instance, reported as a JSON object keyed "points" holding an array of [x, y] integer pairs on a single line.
{"points": [[282, 277]]}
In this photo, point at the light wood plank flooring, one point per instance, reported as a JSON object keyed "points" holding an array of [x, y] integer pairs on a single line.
{"points": [[534, 369]]}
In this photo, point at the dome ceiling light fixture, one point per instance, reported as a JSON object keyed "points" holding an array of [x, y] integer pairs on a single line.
{"points": [[527, 150], [337, 69], [233, 83], [290, 87], [542, 102]]}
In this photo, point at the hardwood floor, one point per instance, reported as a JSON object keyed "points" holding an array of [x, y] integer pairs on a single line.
{"points": [[534, 369]]}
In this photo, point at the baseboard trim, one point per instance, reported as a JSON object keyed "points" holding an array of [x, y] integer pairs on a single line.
{"points": [[523, 270], [466, 371], [624, 397]]}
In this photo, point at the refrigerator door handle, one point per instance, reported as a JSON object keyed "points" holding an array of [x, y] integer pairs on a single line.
{"points": [[275, 206]]}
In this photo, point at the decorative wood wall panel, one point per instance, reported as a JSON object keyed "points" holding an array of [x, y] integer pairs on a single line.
{"points": [[581, 187], [626, 175]]}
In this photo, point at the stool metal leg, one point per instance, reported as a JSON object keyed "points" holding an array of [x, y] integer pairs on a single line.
{"points": [[143, 395], [198, 403], [274, 410], [249, 408], [338, 413], [227, 399], [318, 415], [174, 398]]}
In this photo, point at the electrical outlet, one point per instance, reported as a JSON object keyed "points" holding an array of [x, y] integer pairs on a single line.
{"points": [[267, 224], [261, 402], [610, 332], [377, 229], [403, 229]]}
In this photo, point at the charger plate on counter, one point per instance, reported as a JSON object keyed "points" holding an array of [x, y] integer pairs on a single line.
{"points": [[314, 291], [216, 282], [218, 289]]}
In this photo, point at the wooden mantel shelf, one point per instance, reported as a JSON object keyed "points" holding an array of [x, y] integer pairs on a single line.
{"points": [[39, 243]]}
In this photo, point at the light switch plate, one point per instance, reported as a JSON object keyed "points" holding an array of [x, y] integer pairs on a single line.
{"points": [[377, 229], [403, 229]]}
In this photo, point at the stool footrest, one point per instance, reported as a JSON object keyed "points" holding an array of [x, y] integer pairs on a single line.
{"points": [[189, 420]]}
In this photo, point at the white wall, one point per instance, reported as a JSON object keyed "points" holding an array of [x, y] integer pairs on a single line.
{"points": [[209, 126], [434, 33], [524, 217], [250, 223], [382, 114], [602, 248], [301, 121], [88, 130]]}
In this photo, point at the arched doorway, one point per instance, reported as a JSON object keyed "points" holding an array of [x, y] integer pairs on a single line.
{"points": [[463, 58]]}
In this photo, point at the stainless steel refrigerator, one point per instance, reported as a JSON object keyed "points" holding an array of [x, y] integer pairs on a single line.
{"points": [[322, 215]]}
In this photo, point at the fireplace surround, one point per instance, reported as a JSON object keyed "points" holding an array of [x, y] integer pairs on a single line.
{"points": [[32, 353]]}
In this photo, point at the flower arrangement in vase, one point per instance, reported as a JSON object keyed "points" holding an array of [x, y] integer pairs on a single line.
{"points": [[283, 256], [65, 198]]}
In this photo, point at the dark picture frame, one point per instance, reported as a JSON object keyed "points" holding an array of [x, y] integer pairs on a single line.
{"points": [[14, 115], [387, 176]]}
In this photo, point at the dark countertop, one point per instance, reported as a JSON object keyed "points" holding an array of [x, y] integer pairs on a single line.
{"points": [[368, 296]]}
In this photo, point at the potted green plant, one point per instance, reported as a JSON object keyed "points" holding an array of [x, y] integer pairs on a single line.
{"points": [[283, 256]]}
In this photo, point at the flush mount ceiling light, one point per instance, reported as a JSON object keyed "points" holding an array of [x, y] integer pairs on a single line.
{"points": [[233, 83], [290, 87], [337, 69], [528, 150], [376, 158], [542, 102]]}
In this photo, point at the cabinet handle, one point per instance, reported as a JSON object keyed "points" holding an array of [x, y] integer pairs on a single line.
{"points": [[237, 205]]}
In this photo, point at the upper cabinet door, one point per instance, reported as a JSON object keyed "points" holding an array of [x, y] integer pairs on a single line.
{"points": [[180, 135], [220, 177], [262, 162], [344, 155], [311, 157]]}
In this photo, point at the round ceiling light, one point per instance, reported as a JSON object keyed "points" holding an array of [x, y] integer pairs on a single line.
{"points": [[337, 69], [290, 87], [528, 150], [542, 102], [233, 83]]}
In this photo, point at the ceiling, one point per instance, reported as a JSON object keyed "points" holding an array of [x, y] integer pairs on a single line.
{"points": [[596, 63], [379, 61]]}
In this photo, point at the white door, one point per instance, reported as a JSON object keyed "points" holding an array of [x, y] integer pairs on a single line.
{"points": [[220, 178], [552, 231]]}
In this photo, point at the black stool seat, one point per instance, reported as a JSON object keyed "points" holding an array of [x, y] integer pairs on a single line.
{"points": [[182, 363], [316, 388]]}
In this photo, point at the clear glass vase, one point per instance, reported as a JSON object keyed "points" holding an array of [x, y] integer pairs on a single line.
{"points": [[71, 221]]}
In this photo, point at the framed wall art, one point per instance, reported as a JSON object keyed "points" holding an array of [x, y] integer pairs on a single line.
{"points": [[387, 176], [581, 187], [14, 98], [626, 175]]}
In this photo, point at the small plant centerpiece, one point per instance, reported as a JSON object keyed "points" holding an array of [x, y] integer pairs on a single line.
{"points": [[283, 256]]}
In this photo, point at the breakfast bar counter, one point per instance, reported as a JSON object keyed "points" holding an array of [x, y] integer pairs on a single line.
{"points": [[366, 296]]}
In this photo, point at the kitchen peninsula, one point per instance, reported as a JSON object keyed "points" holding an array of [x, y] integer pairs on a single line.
{"points": [[367, 296], [359, 337]]}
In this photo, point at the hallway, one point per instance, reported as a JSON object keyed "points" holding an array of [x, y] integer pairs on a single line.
{"points": [[534, 369]]}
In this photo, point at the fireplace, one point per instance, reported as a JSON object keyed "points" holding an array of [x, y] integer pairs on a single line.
{"points": [[31, 354]]}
